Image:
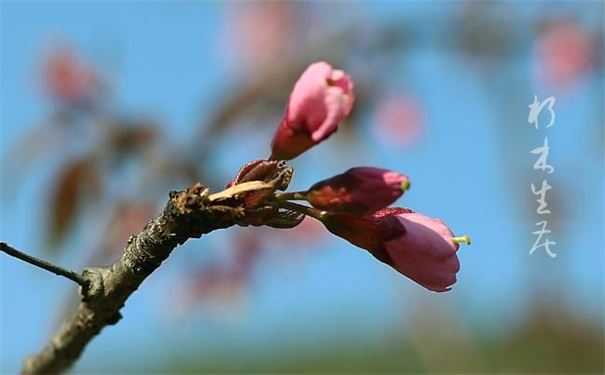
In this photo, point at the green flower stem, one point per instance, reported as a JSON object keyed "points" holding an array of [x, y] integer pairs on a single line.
{"points": [[309, 211], [291, 196]]}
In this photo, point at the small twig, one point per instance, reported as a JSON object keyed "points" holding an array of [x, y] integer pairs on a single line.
{"points": [[73, 276]]}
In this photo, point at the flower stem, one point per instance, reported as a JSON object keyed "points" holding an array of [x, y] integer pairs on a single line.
{"points": [[309, 211], [293, 196]]}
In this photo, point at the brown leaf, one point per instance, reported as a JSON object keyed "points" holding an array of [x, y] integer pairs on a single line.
{"points": [[77, 180]]}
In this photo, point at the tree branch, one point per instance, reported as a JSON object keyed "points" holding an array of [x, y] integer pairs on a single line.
{"points": [[188, 214], [71, 275]]}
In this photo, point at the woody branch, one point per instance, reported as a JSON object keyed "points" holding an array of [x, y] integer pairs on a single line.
{"points": [[188, 214]]}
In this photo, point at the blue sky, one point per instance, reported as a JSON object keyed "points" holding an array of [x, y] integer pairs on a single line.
{"points": [[167, 61]]}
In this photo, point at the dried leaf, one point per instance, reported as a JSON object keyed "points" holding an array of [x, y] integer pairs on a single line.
{"points": [[78, 180]]}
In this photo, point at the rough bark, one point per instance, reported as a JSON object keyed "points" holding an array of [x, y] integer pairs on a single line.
{"points": [[188, 214]]}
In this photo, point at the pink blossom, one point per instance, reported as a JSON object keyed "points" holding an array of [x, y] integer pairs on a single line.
{"points": [[426, 252], [565, 52], [68, 78], [322, 98], [419, 247], [399, 121], [257, 31], [359, 190]]}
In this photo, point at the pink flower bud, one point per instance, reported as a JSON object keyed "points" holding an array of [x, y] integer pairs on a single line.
{"points": [[321, 99], [426, 253], [359, 190], [415, 245], [369, 232], [68, 79]]}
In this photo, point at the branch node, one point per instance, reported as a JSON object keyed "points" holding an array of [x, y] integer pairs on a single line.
{"points": [[95, 286]]}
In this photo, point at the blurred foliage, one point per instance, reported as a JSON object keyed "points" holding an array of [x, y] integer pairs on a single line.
{"points": [[78, 180], [549, 341]]}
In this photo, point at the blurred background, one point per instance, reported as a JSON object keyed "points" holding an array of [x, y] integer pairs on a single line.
{"points": [[106, 106]]}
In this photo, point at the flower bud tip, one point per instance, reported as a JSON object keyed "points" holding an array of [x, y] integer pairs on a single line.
{"points": [[405, 185], [462, 240]]}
